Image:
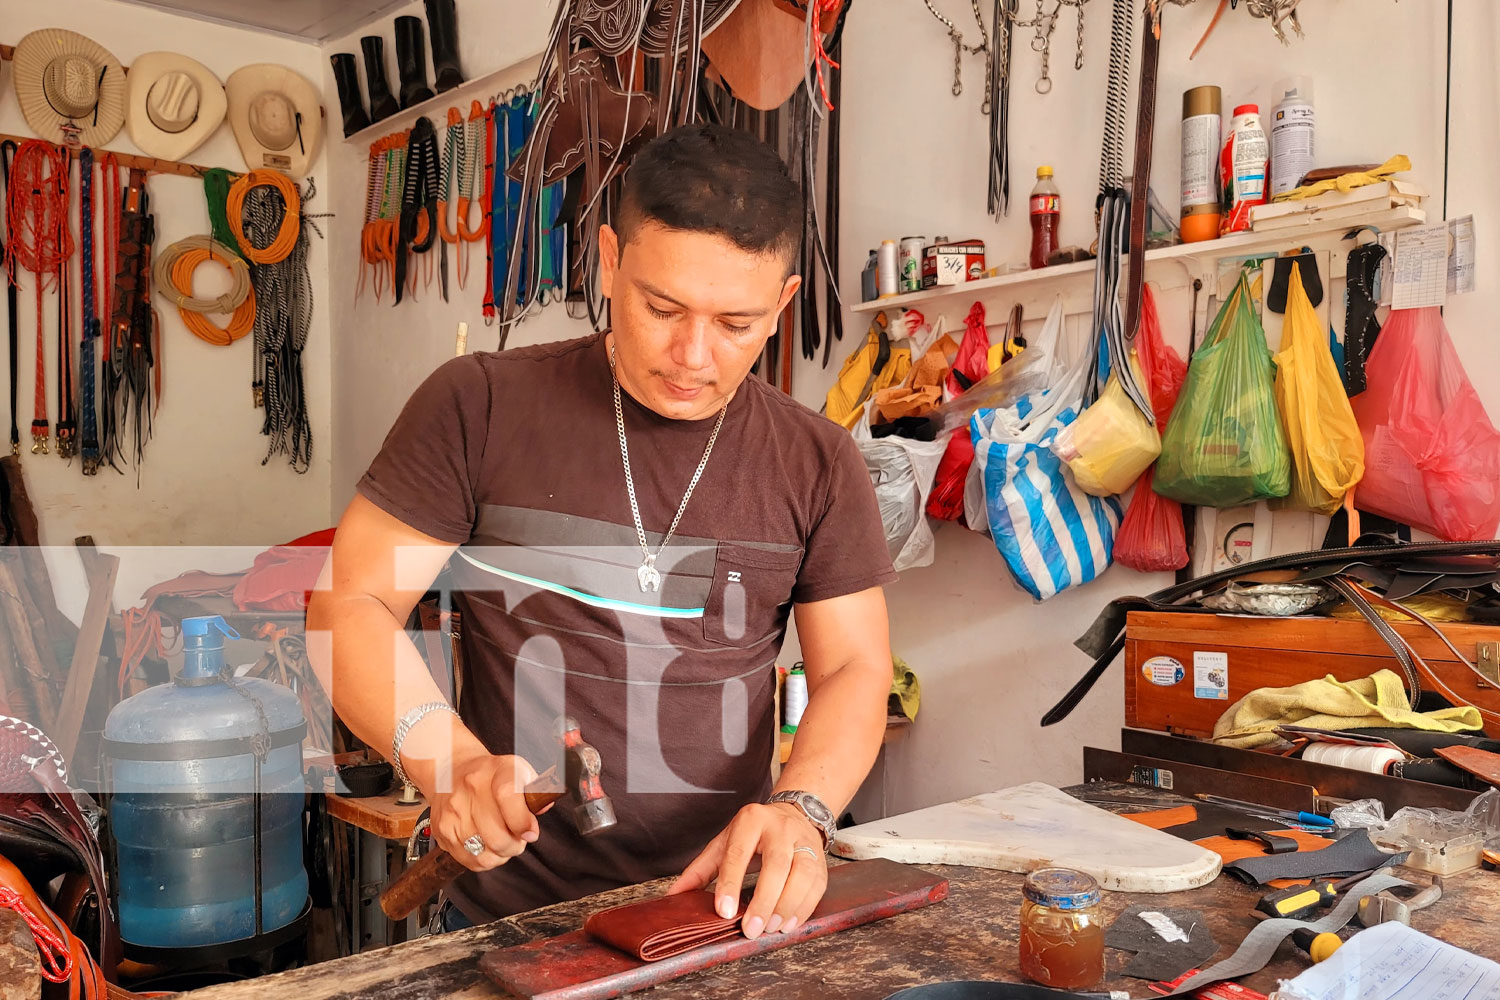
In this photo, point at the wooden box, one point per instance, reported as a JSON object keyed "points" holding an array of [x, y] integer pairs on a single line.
{"points": [[1183, 670]]}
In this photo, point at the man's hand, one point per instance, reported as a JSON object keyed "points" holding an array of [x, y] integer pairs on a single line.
{"points": [[791, 881], [486, 801]]}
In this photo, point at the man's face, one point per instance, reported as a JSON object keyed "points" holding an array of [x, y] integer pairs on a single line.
{"points": [[690, 314]]}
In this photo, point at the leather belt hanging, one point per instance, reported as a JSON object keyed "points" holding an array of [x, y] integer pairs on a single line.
{"points": [[67, 406], [131, 366], [7, 152], [90, 331], [110, 214]]}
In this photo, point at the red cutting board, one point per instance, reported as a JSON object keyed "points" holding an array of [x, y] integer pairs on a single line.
{"points": [[576, 967]]}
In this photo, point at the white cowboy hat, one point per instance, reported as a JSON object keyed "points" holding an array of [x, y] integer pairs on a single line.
{"points": [[173, 104], [71, 89], [276, 117]]}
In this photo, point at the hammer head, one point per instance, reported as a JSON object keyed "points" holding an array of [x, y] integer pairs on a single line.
{"points": [[592, 810]]}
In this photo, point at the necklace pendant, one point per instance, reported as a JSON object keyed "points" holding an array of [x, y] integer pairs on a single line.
{"points": [[649, 576]]}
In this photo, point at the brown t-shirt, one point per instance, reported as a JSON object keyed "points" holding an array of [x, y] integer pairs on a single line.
{"points": [[516, 457]]}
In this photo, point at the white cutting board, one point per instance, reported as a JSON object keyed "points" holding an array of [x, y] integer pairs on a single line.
{"points": [[1033, 826]]}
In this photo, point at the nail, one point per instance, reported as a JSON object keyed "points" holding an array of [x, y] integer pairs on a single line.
{"points": [[725, 907], [773, 924], [753, 927], [529, 836], [789, 926]]}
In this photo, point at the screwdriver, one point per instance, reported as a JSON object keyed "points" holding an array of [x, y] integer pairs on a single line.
{"points": [[1317, 945], [1301, 901]]}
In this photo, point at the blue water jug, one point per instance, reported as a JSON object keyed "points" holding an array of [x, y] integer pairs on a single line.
{"points": [[193, 764]]}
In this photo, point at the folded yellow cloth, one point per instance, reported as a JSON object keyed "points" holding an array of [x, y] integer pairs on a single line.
{"points": [[1377, 701], [1348, 182]]}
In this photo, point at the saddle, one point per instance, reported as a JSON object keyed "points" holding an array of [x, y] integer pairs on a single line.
{"points": [[45, 832]]}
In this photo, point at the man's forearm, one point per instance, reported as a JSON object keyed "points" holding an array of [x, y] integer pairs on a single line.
{"points": [[374, 675], [839, 735]]}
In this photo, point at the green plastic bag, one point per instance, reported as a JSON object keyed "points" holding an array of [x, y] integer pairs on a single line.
{"points": [[1224, 444]]}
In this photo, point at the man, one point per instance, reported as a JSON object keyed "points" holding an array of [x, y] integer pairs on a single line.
{"points": [[636, 514]]}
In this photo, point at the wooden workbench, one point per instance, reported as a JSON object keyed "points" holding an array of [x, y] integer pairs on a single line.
{"points": [[971, 935]]}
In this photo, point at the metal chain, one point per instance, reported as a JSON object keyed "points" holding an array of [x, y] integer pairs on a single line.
{"points": [[1043, 23], [635, 510], [960, 47]]}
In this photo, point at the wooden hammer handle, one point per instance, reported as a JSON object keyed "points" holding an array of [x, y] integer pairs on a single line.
{"points": [[422, 879]]}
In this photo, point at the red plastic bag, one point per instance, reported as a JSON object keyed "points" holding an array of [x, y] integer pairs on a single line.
{"points": [[1151, 537], [1432, 456], [946, 502]]}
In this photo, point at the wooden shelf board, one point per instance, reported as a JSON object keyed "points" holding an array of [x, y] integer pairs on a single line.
{"points": [[1238, 244]]}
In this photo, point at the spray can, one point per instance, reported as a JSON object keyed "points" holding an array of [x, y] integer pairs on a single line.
{"points": [[867, 291], [1202, 129], [887, 270], [1293, 124], [911, 263], [1244, 164]]}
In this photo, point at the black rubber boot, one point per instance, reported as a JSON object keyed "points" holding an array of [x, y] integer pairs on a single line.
{"points": [[442, 26], [382, 104], [411, 61], [346, 75]]}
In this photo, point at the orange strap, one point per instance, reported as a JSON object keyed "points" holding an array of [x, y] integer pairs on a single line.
{"points": [[286, 237]]}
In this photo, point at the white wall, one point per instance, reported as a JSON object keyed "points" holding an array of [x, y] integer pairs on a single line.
{"points": [[202, 481], [382, 351], [990, 660]]}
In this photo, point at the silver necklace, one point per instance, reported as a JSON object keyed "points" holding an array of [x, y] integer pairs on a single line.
{"points": [[648, 574]]}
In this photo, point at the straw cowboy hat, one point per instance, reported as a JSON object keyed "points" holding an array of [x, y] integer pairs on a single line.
{"points": [[276, 117], [71, 89], [173, 103]]}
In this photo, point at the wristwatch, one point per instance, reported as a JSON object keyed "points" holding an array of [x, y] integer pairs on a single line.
{"points": [[813, 808]]}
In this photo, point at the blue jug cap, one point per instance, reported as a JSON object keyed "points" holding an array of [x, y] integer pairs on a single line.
{"points": [[202, 626]]}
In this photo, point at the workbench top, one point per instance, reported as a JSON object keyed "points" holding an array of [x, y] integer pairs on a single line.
{"points": [[971, 935]]}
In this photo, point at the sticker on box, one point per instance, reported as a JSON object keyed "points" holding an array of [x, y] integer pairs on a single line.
{"points": [[1211, 675], [1163, 671]]}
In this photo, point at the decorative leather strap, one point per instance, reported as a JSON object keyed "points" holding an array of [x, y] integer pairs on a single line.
{"points": [[90, 330], [1140, 180]]}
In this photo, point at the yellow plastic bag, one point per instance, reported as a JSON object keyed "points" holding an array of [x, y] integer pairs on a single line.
{"points": [[1328, 454], [1111, 443], [873, 366]]}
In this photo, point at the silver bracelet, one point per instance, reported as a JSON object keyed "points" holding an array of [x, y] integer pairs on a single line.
{"points": [[403, 727]]}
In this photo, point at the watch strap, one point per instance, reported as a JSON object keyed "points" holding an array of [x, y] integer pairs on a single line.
{"points": [[800, 799]]}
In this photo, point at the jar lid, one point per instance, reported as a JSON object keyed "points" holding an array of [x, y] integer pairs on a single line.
{"points": [[1061, 888]]}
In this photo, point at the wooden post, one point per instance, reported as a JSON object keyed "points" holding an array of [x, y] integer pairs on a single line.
{"points": [[23, 642], [101, 570]]}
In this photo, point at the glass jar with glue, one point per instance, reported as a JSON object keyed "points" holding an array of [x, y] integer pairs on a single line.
{"points": [[1062, 932]]}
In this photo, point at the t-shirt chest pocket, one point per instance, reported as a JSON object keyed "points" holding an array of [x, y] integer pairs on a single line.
{"points": [[750, 589]]}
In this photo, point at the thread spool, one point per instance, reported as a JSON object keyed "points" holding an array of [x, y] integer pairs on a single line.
{"points": [[794, 698], [1374, 760]]}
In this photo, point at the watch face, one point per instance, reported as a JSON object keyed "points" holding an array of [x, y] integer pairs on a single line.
{"points": [[815, 809]]}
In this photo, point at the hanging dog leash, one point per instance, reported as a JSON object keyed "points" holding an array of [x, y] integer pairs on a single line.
{"points": [[40, 241]]}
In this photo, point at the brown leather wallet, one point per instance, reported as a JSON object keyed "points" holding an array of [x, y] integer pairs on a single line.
{"points": [[660, 928]]}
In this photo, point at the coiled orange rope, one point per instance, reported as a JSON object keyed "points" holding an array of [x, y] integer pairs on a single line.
{"points": [[286, 237], [174, 268]]}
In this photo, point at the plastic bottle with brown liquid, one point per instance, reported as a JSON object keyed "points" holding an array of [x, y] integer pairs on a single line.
{"points": [[1046, 217]]}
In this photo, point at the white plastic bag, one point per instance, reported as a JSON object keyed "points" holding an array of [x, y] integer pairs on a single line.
{"points": [[902, 470]]}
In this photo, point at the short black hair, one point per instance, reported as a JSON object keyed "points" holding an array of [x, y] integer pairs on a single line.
{"points": [[714, 179]]}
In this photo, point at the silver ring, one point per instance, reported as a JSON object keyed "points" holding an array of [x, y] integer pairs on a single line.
{"points": [[809, 850], [474, 845]]}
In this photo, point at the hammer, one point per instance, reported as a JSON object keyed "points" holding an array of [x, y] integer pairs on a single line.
{"points": [[592, 812]]}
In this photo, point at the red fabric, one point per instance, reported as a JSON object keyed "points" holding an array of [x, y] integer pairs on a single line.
{"points": [[946, 502], [1152, 537], [283, 576]]}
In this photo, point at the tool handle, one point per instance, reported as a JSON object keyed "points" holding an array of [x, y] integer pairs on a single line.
{"points": [[422, 879]]}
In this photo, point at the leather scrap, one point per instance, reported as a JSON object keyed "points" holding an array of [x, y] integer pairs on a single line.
{"points": [[1156, 957], [1354, 853]]}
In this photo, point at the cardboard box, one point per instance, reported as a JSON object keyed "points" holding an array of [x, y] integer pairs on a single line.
{"points": [[952, 263]]}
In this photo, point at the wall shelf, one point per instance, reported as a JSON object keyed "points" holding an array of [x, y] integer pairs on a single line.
{"points": [[480, 88], [1228, 246]]}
